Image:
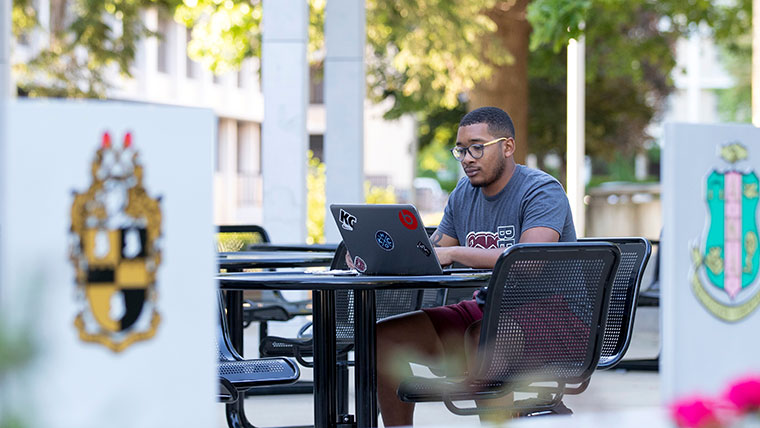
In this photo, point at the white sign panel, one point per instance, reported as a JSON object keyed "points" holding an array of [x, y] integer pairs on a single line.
{"points": [[108, 262], [711, 259]]}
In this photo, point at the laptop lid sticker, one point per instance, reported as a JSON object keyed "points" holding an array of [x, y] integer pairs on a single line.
{"points": [[384, 240]]}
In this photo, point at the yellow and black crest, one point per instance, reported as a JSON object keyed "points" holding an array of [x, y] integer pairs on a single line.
{"points": [[115, 250]]}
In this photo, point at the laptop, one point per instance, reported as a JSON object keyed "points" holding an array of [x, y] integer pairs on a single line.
{"points": [[386, 239]]}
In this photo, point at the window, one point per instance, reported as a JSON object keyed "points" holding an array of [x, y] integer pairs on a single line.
{"points": [[191, 67], [316, 145], [163, 45], [317, 84]]}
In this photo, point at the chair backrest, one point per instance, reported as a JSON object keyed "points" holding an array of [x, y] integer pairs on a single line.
{"points": [[224, 348], [387, 302], [634, 254], [545, 313], [239, 237]]}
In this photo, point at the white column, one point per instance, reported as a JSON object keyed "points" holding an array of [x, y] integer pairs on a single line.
{"points": [[756, 62], [576, 135], [284, 79], [693, 77], [344, 106]]}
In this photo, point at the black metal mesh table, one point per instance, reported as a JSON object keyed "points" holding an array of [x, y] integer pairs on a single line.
{"points": [[324, 287]]}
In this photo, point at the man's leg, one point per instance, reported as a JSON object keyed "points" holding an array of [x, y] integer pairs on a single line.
{"points": [[502, 405], [401, 340]]}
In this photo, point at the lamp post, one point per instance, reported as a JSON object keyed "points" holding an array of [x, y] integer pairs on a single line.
{"points": [[576, 136]]}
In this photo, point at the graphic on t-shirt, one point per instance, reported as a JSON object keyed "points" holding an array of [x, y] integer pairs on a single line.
{"points": [[347, 221], [407, 219], [384, 240], [504, 238]]}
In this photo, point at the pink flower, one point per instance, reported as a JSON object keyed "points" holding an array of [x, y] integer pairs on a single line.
{"points": [[745, 394], [695, 412]]}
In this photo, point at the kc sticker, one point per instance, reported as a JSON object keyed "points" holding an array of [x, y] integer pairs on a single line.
{"points": [[384, 240], [359, 264], [423, 248], [407, 219], [347, 221]]}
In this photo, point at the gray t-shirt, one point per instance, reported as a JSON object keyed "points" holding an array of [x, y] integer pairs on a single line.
{"points": [[531, 198]]}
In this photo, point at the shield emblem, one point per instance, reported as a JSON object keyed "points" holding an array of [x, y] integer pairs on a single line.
{"points": [[727, 260], [115, 231]]}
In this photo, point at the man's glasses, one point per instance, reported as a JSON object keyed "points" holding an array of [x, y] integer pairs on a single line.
{"points": [[475, 150]]}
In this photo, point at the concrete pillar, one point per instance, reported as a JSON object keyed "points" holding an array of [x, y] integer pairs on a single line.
{"points": [[576, 133], [284, 77], [694, 77], [344, 104]]}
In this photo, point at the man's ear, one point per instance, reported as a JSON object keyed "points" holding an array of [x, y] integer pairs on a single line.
{"points": [[509, 147]]}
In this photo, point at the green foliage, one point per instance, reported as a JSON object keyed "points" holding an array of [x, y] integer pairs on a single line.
{"points": [[224, 33], [629, 59], [556, 21], [436, 133], [425, 53], [236, 241], [379, 194], [96, 36], [315, 200], [16, 352], [735, 103]]}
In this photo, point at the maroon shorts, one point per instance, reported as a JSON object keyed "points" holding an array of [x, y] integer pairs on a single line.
{"points": [[451, 323], [549, 327]]}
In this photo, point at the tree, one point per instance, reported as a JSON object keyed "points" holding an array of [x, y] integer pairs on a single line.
{"points": [[87, 39], [427, 56]]}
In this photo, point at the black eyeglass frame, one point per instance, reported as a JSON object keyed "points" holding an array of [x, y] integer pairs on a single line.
{"points": [[478, 147]]}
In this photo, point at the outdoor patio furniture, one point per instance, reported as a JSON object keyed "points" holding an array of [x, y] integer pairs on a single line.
{"points": [[388, 303], [545, 316], [270, 305], [236, 374], [324, 287], [634, 255], [649, 297]]}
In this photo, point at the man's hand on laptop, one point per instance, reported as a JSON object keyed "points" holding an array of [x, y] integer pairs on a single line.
{"points": [[349, 261], [445, 255]]}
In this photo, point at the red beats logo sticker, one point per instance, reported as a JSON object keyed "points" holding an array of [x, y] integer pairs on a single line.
{"points": [[407, 219]]}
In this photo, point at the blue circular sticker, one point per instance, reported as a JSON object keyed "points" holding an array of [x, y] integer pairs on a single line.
{"points": [[384, 240]]}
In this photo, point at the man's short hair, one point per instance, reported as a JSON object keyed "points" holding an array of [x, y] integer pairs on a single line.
{"points": [[498, 121]]}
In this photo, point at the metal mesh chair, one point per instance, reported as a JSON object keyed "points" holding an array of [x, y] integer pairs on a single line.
{"points": [[634, 255], [544, 318], [236, 374], [649, 297], [268, 305]]}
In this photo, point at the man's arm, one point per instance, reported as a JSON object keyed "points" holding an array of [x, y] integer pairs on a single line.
{"points": [[440, 239], [481, 258]]}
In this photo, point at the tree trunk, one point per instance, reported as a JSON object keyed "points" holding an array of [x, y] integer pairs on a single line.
{"points": [[508, 86]]}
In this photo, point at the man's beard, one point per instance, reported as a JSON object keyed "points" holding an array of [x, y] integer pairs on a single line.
{"points": [[497, 174]]}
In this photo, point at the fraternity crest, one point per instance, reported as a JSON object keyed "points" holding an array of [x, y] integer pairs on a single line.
{"points": [[726, 259], [115, 236]]}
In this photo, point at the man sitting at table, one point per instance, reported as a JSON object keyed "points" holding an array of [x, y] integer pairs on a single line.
{"points": [[498, 204]]}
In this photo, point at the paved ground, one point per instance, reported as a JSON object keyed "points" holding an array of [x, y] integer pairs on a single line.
{"points": [[616, 392]]}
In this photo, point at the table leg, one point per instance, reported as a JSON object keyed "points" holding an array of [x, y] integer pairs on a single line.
{"points": [[325, 360], [235, 318], [366, 359]]}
